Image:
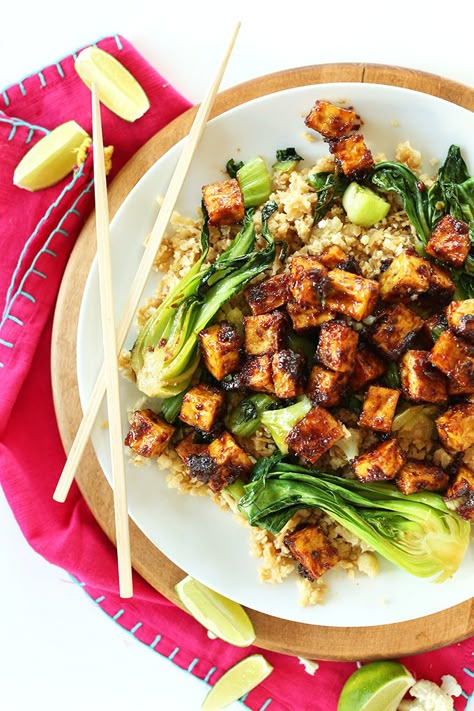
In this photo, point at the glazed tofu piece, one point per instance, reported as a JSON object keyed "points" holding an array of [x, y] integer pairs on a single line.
{"points": [[462, 485], [421, 381], [383, 462], [305, 317], [314, 434], [313, 550], [460, 317], [307, 280], [408, 275], [337, 346], [329, 120], [456, 427], [256, 374], [378, 409], [148, 435], [288, 370], [368, 366], [449, 241], [353, 156], [220, 347], [333, 257], [201, 407], [395, 330], [224, 202], [417, 476], [451, 356], [326, 387], [442, 286], [186, 449], [351, 294], [268, 295], [231, 462], [265, 334]]}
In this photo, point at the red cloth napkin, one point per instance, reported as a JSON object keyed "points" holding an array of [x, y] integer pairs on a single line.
{"points": [[38, 232]]}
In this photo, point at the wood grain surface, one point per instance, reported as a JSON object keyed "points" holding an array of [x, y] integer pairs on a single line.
{"points": [[313, 641]]}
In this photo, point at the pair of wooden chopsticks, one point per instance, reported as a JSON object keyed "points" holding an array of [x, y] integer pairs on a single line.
{"points": [[108, 378]]}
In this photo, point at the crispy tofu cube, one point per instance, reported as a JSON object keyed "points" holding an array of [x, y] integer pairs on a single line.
{"points": [[268, 295], [456, 427], [442, 286], [314, 434], [383, 462], [326, 387], [256, 374], [288, 370], [187, 448], [379, 408], [201, 407], [408, 275], [353, 156], [460, 317], [421, 381], [313, 551], [148, 435], [368, 366], [224, 202], [329, 120], [395, 330], [417, 476], [231, 462], [305, 317], [337, 346], [451, 356], [265, 334], [333, 257], [462, 485], [350, 294], [450, 241], [220, 347], [307, 280]]}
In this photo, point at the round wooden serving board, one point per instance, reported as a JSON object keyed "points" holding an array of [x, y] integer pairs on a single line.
{"points": [[331, 643]]}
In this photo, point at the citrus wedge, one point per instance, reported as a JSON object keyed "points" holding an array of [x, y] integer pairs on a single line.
{"points": [[239, 680], [222, 617], [378, 686], [51, 159], [116, 87]]}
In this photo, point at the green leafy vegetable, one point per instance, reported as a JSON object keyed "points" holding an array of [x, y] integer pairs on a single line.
{"points": [[286, 160], [417, 420], [280, 422], [329, 186], [391, 377], [255, 182], [244, 419], [171, 406], [232, 167]]}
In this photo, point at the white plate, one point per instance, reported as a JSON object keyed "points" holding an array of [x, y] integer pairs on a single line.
{"points": [[204, 541]]}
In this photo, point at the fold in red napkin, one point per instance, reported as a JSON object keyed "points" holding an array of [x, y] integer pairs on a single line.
{"points": [[38, 232]]}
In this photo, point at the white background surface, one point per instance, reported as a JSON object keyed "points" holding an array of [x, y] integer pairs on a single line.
{"points": [[57, 649]]}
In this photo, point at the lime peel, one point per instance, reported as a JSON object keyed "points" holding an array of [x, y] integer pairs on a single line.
{"points": [[377, 686], [237, 681]]}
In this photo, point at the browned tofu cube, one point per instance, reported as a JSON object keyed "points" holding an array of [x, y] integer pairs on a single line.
{"points": [[456, 427], [379, 408], [353, 156], [383, 462], [326, 387], [187, 448], [314, 434], [265, 334], [329, 120], [337, 346], [201, 407], [421, 381], [231, 462], [451, 356], [224, 202], [442, 286], [395, 330], [407, 276], [288, 370], [462, 485], [256, 374], [148, 434], [450, 241], [220, 347], [268, 295], [333, 257], [307, 280], [460, 317], [313, 551], [305, 317], [350, 294], [368, 366], [417, 476]]}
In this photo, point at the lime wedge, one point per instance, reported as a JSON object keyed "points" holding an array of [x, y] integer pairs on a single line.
{"points": [[222, 617], [364, 207], [378, 686], [239, 680], [116, 87], [51, 159]]}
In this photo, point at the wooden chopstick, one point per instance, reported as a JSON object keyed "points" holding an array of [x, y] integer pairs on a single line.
{"points": [[144, 269], [114, 409]]}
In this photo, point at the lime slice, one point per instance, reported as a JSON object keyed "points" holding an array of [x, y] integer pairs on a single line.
{"points": [[222, 617], [116, 87], [51, 159], [364, 207], [378, 686], [239, 680]]}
